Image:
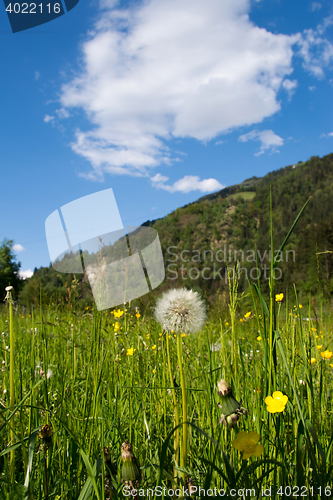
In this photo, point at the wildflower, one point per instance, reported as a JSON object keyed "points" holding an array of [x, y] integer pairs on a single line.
{"points": [[130, 470], [241, 320], [180, 310], [116, 326], [277, 403], [118, 314], [247, 442], [130, 351], [300, 306], [247, 315], [183, 335], [231, 409], [154, 370], [331, 365], [138, 315], [319, 347], [154, 347], [313, 360], [279, 297], [326, 354], [258, 338]]}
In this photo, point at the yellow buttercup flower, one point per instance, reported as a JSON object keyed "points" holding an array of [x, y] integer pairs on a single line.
{"points": [[130, 351], [247, 442], [118, 314], [313, 360], [258, 338], [138, 315], [248, 314], [326, 354], [319, 347], [183, 335], [279, 297], [154, 347], [116, 326], [277, 403], [300, 306]]}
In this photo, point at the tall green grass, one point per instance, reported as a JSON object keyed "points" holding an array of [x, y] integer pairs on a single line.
{"points": [[74, 370]]}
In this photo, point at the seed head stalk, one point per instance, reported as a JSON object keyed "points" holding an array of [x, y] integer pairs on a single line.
{"points": [[176, 415], [183, 452], [11, 378]]}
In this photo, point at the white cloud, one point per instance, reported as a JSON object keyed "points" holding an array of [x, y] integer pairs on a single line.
{"points": [[25, 274], [62, 113], [187, 184], [269, 140], [48, 118], [315, 6], [316, 51], [312, 88], [166, 69], [290, 86], [18, 248], [37, 75]]}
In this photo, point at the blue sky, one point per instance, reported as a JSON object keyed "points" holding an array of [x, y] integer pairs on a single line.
{"points": [[163, 101]]}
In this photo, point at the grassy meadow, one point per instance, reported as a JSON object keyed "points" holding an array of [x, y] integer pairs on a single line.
{"points": [[99, 378], [107, 404]]}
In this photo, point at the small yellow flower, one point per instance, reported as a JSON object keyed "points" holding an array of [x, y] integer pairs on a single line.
{"points": [[248, 314], [116, 326], [154, 347], [279, 297], [313, 360], [169, 336], [331, 365], [241, 320], [130, 351], [247, 442], [172, 331], [300, 306], [154, 371], [327, 354], [258, 338], [118, 314], [138, 315], [227, 324], [147, 335], [319, 347], [277, 403], [183, 335]]}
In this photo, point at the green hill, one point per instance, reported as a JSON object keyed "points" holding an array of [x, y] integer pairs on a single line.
{"points": [[202, 239]]}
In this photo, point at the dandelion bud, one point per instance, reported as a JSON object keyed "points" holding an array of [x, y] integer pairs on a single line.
{"points": [[231, 409], [224, 388], [130, 470]]}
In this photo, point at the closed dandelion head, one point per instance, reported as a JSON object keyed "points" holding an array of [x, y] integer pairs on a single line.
{"points": [[130, 469], [180, 310]]}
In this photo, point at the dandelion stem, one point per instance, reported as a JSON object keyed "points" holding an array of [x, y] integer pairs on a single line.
{"points": [[12, 387], [176, 416], [183, 452]]}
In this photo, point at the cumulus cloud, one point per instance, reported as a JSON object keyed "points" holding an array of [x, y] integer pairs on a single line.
{"points": [[48, 118], [25, 274], [269, 140], [18, 248], [316, 51], [289, 86], [315, 6], [186, 184], [164, 69]]}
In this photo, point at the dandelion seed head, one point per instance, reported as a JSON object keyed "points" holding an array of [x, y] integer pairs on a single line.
{"points": [[180, 310]]}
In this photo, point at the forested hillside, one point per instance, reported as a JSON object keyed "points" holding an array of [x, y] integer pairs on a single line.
{"points": [[201, 240]]}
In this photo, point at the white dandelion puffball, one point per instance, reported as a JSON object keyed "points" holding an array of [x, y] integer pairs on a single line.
{"points": [[180, 310]]}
